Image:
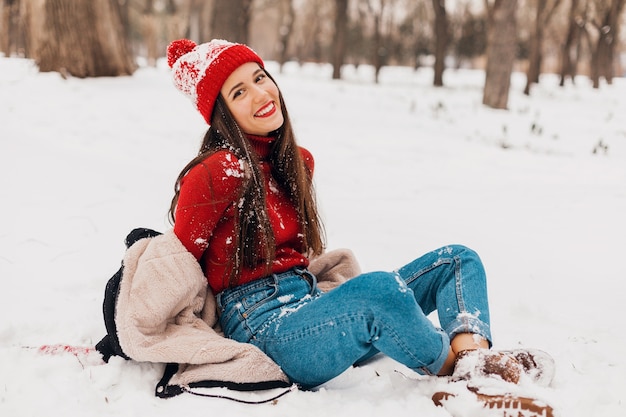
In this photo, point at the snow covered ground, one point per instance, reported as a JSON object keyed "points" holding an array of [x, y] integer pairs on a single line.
{"points": [[401, 168]]}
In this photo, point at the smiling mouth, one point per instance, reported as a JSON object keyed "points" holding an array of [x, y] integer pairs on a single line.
{"points": [[267, 110]]}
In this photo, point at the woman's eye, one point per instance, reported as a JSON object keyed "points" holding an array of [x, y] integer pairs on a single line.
{"points": [[237, 94], [260, 77]]}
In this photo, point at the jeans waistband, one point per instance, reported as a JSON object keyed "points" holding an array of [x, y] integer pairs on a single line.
{"points": [[227, 295]]}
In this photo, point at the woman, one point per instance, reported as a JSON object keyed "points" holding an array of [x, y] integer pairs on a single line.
{"points": [[245, 208]]}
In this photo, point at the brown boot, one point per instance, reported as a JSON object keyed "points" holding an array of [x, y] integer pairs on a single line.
{"points": [[538, 365], [510, 405], [471, 364]]}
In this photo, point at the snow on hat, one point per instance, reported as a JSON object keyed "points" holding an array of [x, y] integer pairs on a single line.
{"points": [[199, 71]]}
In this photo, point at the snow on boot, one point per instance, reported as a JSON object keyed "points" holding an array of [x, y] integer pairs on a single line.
{"points": [[538, 365], [481, 363]]}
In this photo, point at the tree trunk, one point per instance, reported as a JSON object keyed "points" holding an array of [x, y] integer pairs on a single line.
{"points": [[288, 18], [198, 20], [84, 39], [441, 41], [602, 58], [149, 31], [231, 20], [379, 51], [542, 20], [501, 46], [534, 58], [176, 21], [569, 58], [11, 29], [341, 29]]}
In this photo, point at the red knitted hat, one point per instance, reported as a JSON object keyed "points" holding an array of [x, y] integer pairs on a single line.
{"points": [[199, 71]]}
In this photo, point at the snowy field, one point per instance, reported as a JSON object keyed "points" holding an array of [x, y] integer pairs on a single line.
{"points": [[401, 168]]}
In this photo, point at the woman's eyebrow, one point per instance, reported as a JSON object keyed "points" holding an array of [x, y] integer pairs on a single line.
{"points": [[238, 85]]}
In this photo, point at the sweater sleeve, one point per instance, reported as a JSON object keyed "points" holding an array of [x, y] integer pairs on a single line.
{"points": [[206, 192]]}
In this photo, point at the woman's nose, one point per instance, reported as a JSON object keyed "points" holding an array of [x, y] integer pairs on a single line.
{"points": [[258, 93]]}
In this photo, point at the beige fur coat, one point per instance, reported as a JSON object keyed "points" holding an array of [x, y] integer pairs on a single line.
{"points": [[166, 313]]}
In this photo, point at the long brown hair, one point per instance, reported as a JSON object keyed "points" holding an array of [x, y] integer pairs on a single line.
{"points": [[255, 242]]}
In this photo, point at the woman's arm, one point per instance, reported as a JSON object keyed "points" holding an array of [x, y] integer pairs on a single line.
{"points": [[206, 192]]}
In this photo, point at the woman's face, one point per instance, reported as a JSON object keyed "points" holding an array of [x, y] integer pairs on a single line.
{"points": [[253, 99]]}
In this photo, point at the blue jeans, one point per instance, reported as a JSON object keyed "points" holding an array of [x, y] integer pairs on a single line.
{"points": [[315, 336]]}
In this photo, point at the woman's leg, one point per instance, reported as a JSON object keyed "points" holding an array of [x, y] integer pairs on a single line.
{"points": [[314, 339], [452, 281]]}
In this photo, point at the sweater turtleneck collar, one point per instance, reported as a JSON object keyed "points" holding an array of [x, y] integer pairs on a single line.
{"points": [[262, 145]]}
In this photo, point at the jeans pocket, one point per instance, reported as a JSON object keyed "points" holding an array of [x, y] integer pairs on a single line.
{"points": [[237, 320], [252, 300]]}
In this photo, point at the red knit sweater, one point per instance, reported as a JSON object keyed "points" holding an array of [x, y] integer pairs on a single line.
{"points": [[205, 216]]}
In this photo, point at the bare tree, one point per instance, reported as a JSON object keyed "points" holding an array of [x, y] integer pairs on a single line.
{"points": [[231, 20], [10, 27], [19, 26], [471, 39], [377, 10], [288, 17], [314, 31], [441, 40], [415, 38], [83, 39], [341, 34], [607, 25], [501, 47], [570, 53], [197, 20], [149, 31], [544, 12]]}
